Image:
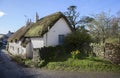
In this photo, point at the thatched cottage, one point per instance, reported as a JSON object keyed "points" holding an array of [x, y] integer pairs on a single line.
{"points": [[47, 31]]}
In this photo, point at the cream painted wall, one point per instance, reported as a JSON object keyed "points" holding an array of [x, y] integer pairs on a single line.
{"points": [[60, 28]]}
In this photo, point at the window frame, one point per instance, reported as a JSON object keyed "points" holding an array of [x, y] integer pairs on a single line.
{"points": [[61, 39]]}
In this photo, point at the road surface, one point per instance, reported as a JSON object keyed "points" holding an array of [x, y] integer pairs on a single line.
{"points": [[9, 69]]}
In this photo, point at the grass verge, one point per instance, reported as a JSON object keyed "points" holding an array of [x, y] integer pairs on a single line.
{"points": [[87, 64]]}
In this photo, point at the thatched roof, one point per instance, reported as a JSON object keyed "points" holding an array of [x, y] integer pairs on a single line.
{"points": [[19, 33], [42, 26], [39, 28]]}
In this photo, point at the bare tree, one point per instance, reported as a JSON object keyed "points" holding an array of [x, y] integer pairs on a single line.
{"points": [[101, 26]]}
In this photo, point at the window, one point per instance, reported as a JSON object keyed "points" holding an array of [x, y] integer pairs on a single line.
{"points": [[61, 39], [22, 50], [18, 50], [12, 48], [15, 40]]}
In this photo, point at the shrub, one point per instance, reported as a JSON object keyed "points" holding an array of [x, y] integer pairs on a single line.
{"points": [[51, 53], [78, 40], [47, 53], [28, 62], [75, 54], [42, 63], [18, 59], [1, 44], [112, 40]]}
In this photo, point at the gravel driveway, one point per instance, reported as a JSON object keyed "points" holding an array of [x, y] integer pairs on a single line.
{"points": [[9, 69]]}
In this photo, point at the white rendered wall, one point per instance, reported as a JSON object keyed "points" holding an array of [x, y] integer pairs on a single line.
{"points": [[17, 49], [37, 42], [59, 28]]}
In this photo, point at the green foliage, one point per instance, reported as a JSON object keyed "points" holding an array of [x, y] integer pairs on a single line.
{"points": [[112, 40], [86, 64], [18, 59], [23, 62], [47, 53], [28, 62], [86, 19], [42, 63], [104, 26], [77, 40], [1, 44], [51, 53], [75, 54]]}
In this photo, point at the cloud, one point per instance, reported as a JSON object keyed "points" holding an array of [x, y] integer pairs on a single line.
{"points": [[2, 13]]}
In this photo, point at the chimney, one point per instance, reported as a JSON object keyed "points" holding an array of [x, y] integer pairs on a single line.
{"points": [[30, 21], [27, 23], [36, 17]]}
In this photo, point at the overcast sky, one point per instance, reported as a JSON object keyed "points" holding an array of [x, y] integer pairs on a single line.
{"points": [[14, 13]]}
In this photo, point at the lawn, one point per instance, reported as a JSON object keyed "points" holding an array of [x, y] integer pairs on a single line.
{"points": [[87, 64]]}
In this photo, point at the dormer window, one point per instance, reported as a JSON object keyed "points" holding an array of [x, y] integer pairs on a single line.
{"points": [[16, 40]]}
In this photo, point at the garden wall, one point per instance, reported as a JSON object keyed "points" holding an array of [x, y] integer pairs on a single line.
{"points": [[98, 49], [36, 55], [112, 52], [109, 51]]}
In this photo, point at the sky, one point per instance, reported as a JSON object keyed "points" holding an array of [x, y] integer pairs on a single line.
{"points": [[14, 13]]}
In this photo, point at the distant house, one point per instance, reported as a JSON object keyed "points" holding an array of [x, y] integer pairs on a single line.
{"points": [[47, 31], [1, 39], [4, 37], [1, 36]]}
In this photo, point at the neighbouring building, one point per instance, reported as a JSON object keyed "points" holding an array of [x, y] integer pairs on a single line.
{"points": [[4, 37], [1, 37], [7, 36], [47, 31]]}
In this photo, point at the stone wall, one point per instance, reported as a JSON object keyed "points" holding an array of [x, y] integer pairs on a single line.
{"points": [[112, 52], [109, 51], [36, 55], [98, 49]]}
